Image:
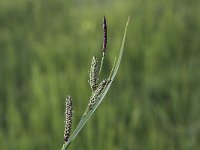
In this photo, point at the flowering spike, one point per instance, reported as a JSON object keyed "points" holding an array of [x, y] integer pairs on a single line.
{"points": [[97, 92], [104, 34], [94, 73], [68, 118]]}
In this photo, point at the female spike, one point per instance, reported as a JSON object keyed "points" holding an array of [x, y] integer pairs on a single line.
{"points": [[94, 73], [68, 118]]}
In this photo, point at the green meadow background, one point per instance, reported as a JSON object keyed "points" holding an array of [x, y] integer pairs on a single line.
{"points": [[46, 47]]}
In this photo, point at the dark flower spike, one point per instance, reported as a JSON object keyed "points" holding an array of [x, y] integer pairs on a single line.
{"points": [[68, 118], [94, 72], [104, 34], [104, 42]]}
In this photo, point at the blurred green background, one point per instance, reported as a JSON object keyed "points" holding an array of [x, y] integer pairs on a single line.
{"points": [[46, 48]]}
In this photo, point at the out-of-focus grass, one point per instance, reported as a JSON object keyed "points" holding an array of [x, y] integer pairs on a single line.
{"points": [[45, 53]]}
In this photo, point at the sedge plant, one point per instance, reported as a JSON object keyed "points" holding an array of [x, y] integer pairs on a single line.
{"points": [[98, 89]]}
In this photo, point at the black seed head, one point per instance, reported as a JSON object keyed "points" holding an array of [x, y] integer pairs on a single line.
{"points": [[104, 34]]}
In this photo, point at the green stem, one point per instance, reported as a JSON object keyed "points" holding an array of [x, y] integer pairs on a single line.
{"points": [[102, 59]]}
